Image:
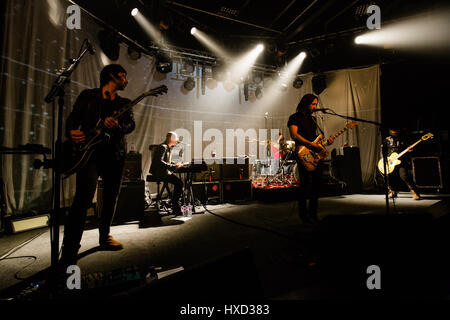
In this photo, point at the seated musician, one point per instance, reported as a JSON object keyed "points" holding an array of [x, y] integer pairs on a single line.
{"points": [[162, 167]]}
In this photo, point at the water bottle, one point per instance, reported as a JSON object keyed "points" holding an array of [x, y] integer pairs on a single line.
{"points": [[184, 210], [189, 210]]}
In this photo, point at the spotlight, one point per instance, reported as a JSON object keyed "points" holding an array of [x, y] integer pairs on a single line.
{"points": [[163, 64], [134, 12], [257, 78], [217, 73], [259, 48], [188, 67], [298, 82], [193, 30], [189, 84], [258, 93], [358, 40], [302, 55]]}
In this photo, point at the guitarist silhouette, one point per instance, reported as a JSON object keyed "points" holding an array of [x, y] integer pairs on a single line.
{"points": [[303, 129], [92, 108], [396, 143]]}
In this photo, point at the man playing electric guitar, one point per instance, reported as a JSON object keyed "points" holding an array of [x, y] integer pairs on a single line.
{"points": [[396, 143], [303, 129], [106, 161]]}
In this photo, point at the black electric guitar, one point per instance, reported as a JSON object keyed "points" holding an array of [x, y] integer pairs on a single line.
{"points": [[76, 155]]}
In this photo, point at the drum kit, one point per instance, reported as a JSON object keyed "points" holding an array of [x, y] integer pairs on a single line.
{"points": [[278, 170]]}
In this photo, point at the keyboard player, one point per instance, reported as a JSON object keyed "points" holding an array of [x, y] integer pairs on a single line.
{"points": [[163, 168]]}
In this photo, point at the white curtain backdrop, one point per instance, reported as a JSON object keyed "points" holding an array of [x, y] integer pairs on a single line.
{"points": [[37, 43]]}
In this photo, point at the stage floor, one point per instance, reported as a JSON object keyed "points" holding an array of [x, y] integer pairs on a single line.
{"points": [[272, 231]]}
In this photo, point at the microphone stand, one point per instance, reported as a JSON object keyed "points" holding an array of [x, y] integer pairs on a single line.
{"points": [[58, 90], [384, 148]]}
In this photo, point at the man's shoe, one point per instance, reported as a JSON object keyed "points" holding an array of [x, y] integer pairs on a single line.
{"points": [[110, 244], [392, 194], [415, 195], [176, 210]]}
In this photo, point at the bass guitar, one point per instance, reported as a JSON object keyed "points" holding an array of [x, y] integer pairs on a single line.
{"points": [[309, 158], [393, 158], [76, 155]]}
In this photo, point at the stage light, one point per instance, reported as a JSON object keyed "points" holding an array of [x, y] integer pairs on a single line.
{"points": [[189, 84], [259, 48], [257, 77], [426, 32], [217, 73], [163, 64], [134, 12], [153, 32], [258, 93], [298, 82], [133, 53], [188, 67], [210, 44], [245, 63]]}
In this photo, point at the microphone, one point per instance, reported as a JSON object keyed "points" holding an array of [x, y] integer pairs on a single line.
{"points": [[321, 110], [90, 47]]}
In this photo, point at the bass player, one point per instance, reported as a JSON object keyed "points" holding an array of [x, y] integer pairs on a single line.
{"points": [[107, 160]]}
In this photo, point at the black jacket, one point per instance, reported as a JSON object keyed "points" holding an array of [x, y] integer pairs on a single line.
{"points": [[161, 157], [89, 107]]}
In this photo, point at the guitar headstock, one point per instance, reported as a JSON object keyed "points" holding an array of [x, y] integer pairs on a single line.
{"points": [[156, 91], [351, 125], [427, 136]]}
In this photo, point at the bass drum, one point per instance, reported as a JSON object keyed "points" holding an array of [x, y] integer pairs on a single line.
{"points": [[290, 170]]}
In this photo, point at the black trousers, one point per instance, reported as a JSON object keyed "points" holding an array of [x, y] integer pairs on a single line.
{"points": [[402, 173], [310, 184], [110, 170], [177, 188]]}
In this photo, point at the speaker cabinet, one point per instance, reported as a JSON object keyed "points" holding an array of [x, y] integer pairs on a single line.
{"points": [[132, 169], [208, 192], [130, 201], [346, 166], [237, 190], [213, 172], [427, 172], [235, 168]]}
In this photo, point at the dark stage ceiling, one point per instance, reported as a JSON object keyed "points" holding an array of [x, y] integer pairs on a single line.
{"points": [[325, 29]]}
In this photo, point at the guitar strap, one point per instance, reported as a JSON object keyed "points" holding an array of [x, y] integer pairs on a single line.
{"points": [[318, 127]]}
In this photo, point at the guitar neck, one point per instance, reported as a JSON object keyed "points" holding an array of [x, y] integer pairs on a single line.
{"points": [[128, 107], [411, 146], [337, 134]]}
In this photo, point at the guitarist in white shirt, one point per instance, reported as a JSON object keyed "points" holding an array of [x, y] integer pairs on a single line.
{"points": [[396, 143], [303, 130]]}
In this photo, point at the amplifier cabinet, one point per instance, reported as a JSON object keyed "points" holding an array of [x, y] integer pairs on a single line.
{"points": [[427, 172], [132, 169], [235, 168], [210, 189], [130, 201], [213, 172], [237, 190]]}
